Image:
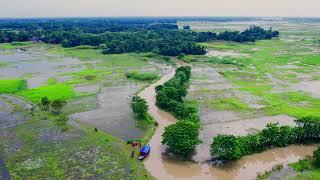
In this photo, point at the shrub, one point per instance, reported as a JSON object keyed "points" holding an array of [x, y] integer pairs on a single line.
{"points": [[273, 135], [57, 105], [139, 106], [316, 156], [227, 147], [145, 76], [181, 138]]}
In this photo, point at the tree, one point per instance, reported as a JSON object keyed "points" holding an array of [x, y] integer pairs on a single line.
{"points": [[45, 103], [181, 138], [139, 106], [57, 105], [226, 147]]}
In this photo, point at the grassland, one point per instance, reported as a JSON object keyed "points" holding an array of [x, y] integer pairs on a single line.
{"points": [[12, 85], [267, 69], [52, 92]]}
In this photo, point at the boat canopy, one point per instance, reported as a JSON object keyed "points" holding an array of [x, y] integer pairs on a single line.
{"points": [[145, 149]]}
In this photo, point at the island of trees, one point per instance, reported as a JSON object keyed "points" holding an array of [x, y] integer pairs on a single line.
{"points": [[124, 36]]}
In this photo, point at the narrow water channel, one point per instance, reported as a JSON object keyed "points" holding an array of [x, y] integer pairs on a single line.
{"points": [[246, 168]]}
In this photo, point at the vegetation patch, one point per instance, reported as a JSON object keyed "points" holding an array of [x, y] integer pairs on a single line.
{"points": [[12, 85], [302, 165], [229, 147], [87, 75], [232, 104], [52, 92], [181, 137], [142, 76]]}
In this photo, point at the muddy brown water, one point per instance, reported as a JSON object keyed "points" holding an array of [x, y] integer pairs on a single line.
{"points": [[161, 167]]}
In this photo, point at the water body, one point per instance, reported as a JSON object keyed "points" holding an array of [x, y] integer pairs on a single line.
{"points": [[161, 167], [4, 173]]}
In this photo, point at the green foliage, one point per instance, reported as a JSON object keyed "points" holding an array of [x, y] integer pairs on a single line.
{"points": [[226, 147], [52, 92], [45, 103], [139, 106], [170, 95], [141, 76], [57, 105], [302, 165], [181, 138], [316, 156], [12, 85], [228, 104], [273, 135]]}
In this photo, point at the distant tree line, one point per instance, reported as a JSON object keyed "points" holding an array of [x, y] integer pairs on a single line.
{"points": [[115, 38], [181, 137], [229, 147]]}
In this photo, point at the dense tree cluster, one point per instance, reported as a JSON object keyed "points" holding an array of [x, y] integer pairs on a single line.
{"points": [[229, 147], [182, 137], [124, 36], [139, 106], [250, 35]]}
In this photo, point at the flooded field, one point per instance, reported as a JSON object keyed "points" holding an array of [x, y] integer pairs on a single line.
{"points": [[255, 86], [239, 89], [114, 114], [37, 66], [162, 167]]}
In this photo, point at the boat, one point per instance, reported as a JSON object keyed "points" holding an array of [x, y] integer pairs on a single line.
{"points": [[144, 152]]}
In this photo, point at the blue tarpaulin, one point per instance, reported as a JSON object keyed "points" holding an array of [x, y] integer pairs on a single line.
{"points": [[145, 149]]}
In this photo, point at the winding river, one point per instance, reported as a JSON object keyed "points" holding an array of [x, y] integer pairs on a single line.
{"points": [[247, 167]]}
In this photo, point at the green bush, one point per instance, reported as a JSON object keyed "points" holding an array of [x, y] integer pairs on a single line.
{"points": [[144, 76], [139, 106], [226, 147], [273, 135], [316, 156], [181, 137]]}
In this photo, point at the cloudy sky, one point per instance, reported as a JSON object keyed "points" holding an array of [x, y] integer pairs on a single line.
{"points": [[61, 8]]}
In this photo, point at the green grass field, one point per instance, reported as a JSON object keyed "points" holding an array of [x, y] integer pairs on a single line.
{"points": [[283, 61], [12, 85], [52, 92]]}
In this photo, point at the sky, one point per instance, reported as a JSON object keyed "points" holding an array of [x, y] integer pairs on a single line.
{"points": [[97, 8]]}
